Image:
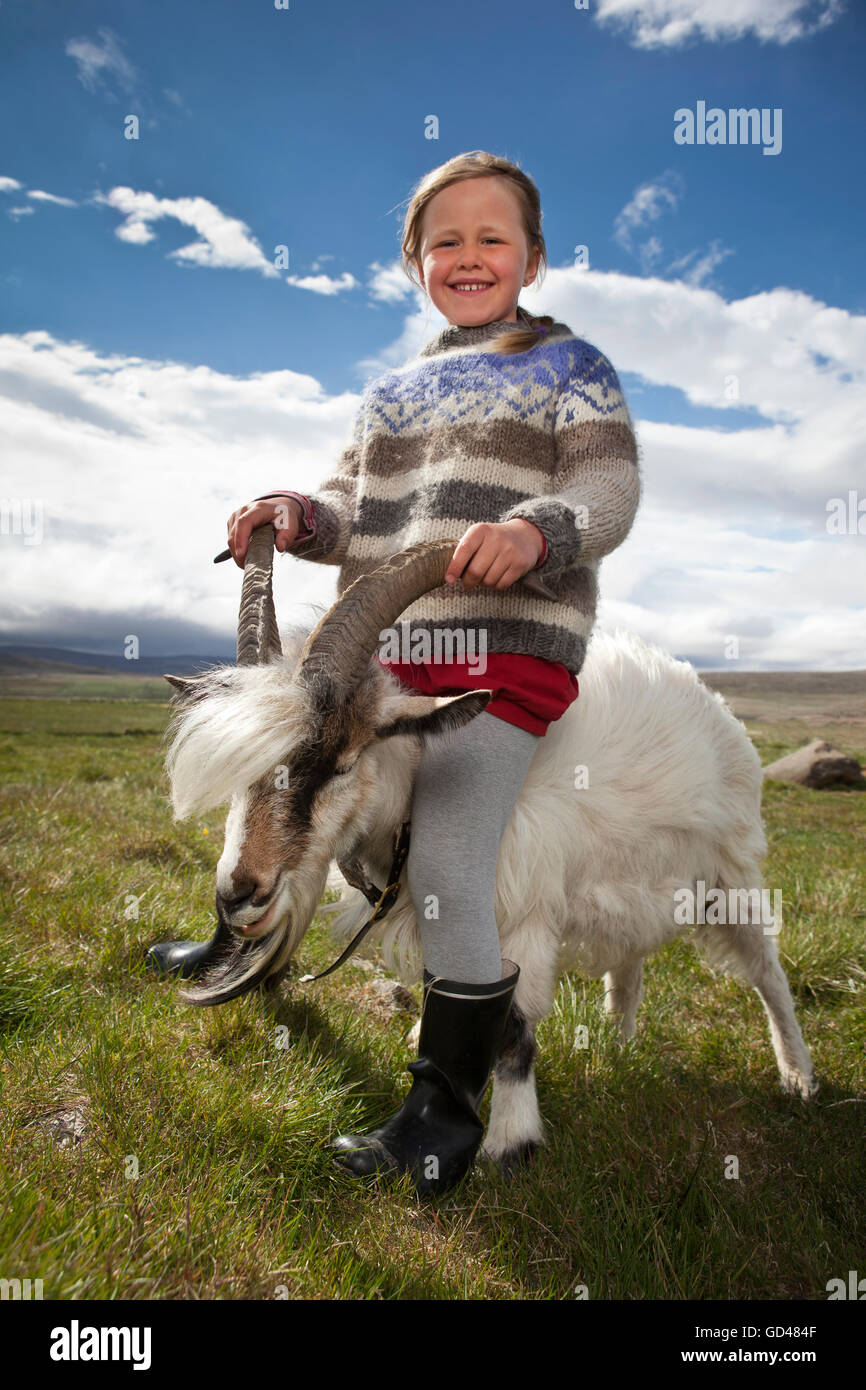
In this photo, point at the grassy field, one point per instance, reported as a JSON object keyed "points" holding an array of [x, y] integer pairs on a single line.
{"points": [[154, 1150]]}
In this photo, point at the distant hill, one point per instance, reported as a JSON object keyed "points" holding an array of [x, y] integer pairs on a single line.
{"points": [[835, 699], [791, 682], [22, 659], [31, 670], [34, 661]]}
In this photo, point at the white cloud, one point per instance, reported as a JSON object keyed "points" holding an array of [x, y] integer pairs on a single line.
{"points": [[21, 212], [41, 197], [323, 284], [731, 537], [422, 323], [224, 243], [732, 527], [100, 63], [389, 284], [138, 465], [674, 334], [8, 185], [671, 23]]}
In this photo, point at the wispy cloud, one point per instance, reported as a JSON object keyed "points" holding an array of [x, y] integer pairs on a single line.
{"points": [[38, 195], [700, 270], [42, 197], [650, 202], [224, 242], [175, 98], [101, 63], [672, 23], [647, 204]]}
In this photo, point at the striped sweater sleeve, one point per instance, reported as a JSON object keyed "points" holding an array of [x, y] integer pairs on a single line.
{"points": [[329, 512], [591, 507]]}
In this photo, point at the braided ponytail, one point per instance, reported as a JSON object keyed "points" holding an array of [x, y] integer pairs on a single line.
{"points": [[521, 340]]}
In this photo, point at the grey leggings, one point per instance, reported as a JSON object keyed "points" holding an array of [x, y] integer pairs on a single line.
{"points": [[465, 790]]}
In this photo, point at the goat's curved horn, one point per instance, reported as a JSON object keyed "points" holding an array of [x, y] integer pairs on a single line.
{"points": [[344, 640], [258, 638]]}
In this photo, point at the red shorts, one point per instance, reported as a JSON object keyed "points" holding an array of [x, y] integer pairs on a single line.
{"points": [[528, 691]]}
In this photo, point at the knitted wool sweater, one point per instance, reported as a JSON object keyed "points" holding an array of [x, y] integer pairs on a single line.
{"points": [[460, 434]]}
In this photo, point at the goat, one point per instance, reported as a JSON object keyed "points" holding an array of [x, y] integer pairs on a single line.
{"points": [[647, 787]]}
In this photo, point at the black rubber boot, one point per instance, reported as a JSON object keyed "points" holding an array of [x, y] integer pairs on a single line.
{"points": [[189, 959], [436, 1133]]}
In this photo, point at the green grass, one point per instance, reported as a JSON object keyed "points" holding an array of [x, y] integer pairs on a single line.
{"points": [[236, 1195], [46, 680]]}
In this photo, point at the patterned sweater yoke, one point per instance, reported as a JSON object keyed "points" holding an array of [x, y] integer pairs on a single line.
{"points": [[460, 434]]}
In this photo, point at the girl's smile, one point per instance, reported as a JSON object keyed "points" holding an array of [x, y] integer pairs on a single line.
{"points": [[465, 289], [474, 250]]}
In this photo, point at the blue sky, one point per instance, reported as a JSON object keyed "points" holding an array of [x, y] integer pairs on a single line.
{"points": [[156, 370]]}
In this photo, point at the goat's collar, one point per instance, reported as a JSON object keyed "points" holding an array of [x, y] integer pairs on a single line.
{"points": [[382, 901]]}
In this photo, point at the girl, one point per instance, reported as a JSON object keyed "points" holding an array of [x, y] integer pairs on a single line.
{"points": [[514, 431]]}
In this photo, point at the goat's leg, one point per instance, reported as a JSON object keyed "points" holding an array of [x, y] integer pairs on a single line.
{"points": [[515, 1128], [623, 991], [748, 953]]}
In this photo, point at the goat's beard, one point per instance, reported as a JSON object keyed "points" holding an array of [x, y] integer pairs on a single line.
{"points": [[239, 966]]}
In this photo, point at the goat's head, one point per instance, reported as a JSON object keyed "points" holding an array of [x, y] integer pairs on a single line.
{"points": [[294, 743]]}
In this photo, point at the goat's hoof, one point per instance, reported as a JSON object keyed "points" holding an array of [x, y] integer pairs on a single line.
{"points": [[799, 1083], [514, 1161]]}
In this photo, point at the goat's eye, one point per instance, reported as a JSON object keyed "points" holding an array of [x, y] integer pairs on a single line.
{"points": [[341, 771]]}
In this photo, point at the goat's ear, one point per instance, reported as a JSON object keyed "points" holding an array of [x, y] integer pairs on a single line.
{"points": [[189, 688], [435, 714], [177, 681]]}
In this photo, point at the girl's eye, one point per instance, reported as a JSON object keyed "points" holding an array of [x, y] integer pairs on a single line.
{"points": [[487, 238]]}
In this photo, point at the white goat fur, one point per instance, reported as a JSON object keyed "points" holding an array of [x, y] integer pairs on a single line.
{"points": [[586, 873]]}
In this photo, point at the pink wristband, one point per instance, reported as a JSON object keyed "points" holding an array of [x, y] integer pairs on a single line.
{"points": [[308, 525]]}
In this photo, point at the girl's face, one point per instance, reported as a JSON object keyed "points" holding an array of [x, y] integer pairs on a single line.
{"points": [[472, 234]]}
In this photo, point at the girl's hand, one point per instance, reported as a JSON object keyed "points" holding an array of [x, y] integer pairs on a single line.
{"points": [[495, 553], [285, 512]]}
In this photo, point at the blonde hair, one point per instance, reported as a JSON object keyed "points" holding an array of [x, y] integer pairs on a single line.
{"points": [[476, 164]]}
